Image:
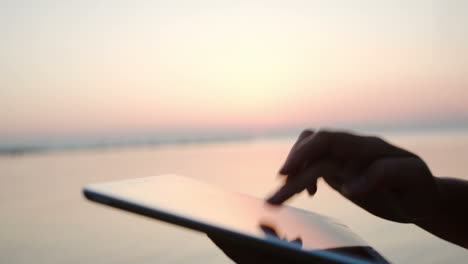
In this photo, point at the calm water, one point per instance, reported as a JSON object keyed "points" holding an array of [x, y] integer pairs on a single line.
{"points": [[45, 219]]}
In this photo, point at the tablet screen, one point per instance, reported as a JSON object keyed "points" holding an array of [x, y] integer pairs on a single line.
{"points": [[213, 206]]}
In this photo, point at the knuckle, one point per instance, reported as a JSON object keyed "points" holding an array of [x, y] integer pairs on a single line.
{"points": [[375, 139], [342, 136], [324, 131], [323, 134], [306, 132], [418, 165]]}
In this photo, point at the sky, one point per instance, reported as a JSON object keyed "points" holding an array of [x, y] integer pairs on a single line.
{"points": [[109, 68]]}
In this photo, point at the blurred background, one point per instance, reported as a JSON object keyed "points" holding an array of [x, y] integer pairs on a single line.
{"points": [[216, 90]]}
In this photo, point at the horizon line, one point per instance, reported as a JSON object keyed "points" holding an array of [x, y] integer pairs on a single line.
{"points": [[154, 141]]}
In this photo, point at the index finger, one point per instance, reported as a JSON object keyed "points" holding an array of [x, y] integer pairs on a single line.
{"points": [[299, 143], [304, 179]]}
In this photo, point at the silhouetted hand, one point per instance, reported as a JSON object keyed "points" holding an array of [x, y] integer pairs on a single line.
{"points": [[385, 180]]}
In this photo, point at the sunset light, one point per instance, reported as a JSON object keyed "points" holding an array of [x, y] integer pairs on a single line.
{"points": [[165, 67]]}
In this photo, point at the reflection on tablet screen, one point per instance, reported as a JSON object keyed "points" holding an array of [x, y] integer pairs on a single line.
{"points": [[363, 252]]}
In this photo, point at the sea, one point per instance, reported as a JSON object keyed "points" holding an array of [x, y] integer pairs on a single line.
{"points": [[45, 218]]}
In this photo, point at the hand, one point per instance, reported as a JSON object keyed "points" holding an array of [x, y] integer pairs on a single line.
{"points": [[383, 179]]}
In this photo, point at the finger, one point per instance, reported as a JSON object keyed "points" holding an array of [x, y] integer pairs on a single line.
{"points": [[304, 134], [303, 180], [283, 194], [312, 189], [299, 142], [341, 146], [314, 145]]}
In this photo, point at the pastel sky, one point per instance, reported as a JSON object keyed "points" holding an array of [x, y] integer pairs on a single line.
{"points": [[71, 68]]}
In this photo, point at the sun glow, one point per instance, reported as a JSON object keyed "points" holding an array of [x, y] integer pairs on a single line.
{"points": [[167, 66]]}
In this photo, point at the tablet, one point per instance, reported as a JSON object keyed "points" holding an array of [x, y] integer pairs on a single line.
{"points": [[290, 233]]}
